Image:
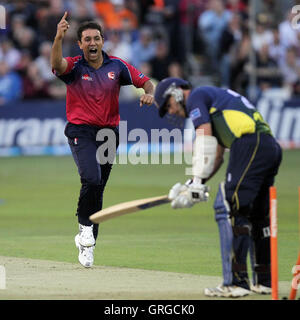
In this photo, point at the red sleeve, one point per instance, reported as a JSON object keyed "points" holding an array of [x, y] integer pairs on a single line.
{"points": [[132, 75], [71, 64]]}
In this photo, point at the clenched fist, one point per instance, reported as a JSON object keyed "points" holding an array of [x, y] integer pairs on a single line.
{"points": [[147, 99]]}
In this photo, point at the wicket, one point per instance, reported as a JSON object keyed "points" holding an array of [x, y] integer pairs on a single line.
{"points": [[273, 239]]}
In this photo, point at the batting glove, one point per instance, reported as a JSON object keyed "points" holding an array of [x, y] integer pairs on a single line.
{"points": [[185, 196], [198, 192]]}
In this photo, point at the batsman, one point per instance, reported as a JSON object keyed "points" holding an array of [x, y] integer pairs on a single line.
{"points": [[224, 119]]}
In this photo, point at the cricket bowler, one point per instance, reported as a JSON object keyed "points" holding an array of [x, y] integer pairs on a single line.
{"points": [[93, 82]]}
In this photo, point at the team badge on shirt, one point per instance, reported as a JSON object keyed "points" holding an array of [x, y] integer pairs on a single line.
{"points": [[195, 114], [111, 75], [86, 77]]}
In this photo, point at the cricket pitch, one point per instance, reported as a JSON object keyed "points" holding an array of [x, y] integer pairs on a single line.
{"points": [[33, 279]]}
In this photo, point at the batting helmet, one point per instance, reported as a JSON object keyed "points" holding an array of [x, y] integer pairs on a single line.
{"points": [[162, 93]]}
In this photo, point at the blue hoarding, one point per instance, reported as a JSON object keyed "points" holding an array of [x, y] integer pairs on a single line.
{"points": [[37, 126]]}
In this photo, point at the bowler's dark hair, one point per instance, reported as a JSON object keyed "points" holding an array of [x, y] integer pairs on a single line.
{"points": [[88, 25]]}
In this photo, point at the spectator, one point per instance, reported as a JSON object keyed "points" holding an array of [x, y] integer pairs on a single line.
{"points": [[143, 8], [122, 13], [188, 39], [154, 14], [25, 61], [288, 35], [26, 9], [81, 10], [237, 7], [276, 49], [290, 67], [34, 86], [9, 54], [50, 19], [131, 92], [104, 9], [211, 23], [10, 84], [115, 46], [128, 33], [262, 35], [172, 26], [26, 39], [230, 38], [273, 10], [175, 70], [133, 6], [267, 71], [161, 61], [113, 12], [43, 62], [146, 69], [17, 25], [171, 21], [238, 79], [143, 49], [42, 14]]}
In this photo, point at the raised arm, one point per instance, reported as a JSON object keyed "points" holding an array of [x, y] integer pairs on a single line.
{"points": [[58, 62]]}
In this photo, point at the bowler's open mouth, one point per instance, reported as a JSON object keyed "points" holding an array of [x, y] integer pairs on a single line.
{"points": [[93, 50]]}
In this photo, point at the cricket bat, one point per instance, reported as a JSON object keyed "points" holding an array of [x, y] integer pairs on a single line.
{"points": [[127, 207]]}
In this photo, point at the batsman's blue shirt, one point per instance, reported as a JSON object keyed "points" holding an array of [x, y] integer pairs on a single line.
{"points": [[93, 94], [230, 114]]}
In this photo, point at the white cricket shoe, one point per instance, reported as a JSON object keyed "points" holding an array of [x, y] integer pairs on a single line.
{"points": [[86, 254], [226, 292], [259, 288], [86, 236]]}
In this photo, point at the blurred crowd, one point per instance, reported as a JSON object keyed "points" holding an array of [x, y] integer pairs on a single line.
{"points": [[209, 42]]}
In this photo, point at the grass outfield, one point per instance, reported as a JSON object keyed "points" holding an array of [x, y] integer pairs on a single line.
{"points": [[37, 217]]}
